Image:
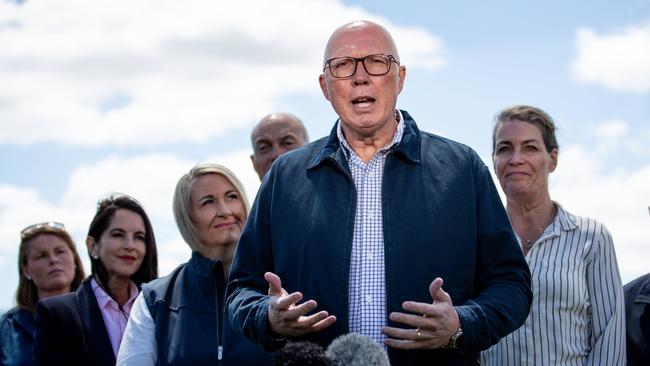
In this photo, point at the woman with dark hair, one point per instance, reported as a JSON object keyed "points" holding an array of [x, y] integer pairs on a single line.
{"points": [[48, 265], [86, 327], [180, 319]]}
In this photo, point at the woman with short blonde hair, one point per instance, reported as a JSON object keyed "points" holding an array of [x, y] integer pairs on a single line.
{"points": [[178, 319]]}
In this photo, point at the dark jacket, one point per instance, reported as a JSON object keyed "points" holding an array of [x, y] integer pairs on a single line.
{"points": [[17, 338], [70, 330], [637, 323], [442, 217], [187, 308]]}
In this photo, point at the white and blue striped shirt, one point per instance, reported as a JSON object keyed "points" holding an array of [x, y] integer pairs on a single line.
{"points": [[577, 314], [367, 285]]}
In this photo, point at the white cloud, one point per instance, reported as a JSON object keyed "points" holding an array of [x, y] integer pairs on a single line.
{"points": [[616, 137], [619, 199], [150, 72], [618, 61], [612, 129]]}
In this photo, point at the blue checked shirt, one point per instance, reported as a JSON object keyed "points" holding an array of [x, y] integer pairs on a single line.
{"points": [[367, 296]]}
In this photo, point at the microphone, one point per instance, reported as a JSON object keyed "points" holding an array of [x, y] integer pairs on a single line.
{"points": [[301, 353], [355, 349]]}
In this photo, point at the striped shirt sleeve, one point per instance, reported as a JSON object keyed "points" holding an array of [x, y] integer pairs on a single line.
{"points": [[606, 297]]}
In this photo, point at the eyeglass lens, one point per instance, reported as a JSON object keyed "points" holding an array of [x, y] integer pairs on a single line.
{"points": [[375, 65]]}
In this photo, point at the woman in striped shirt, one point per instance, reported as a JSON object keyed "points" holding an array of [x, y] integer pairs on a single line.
{"points": [[577, 314]]}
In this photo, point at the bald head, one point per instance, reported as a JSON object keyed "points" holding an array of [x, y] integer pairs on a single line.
{"points": [[340, 41], [274, 135]]}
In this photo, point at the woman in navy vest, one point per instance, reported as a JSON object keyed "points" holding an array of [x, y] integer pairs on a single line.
{"points": [[86, 327], [48, 265], [180, 319]]}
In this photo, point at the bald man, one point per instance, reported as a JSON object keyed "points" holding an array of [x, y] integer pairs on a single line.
{"points": [[378, 229], [274, 135]]}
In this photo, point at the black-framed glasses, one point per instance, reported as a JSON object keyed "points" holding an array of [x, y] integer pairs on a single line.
{"points": [[48, 226], [375, 65]]}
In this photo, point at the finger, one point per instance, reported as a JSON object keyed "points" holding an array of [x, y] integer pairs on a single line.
{"points": [[411, 320], [284, 302], [404, 344], [400, 333], [299, 310], [308, 322], [435, 288], [325, 323], [275, 284], [426, 310]]}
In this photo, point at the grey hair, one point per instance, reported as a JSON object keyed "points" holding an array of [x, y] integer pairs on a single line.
{"points": [[183, 193], [354, 349]]}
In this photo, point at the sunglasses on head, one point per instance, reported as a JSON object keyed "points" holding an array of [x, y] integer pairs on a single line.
{"points": [[48, 226]]}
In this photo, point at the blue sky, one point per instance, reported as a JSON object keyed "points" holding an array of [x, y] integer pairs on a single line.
{"points": [[126, 96]]}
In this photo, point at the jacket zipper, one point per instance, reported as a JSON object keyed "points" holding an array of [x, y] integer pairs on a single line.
{"points": [[218, 276]]}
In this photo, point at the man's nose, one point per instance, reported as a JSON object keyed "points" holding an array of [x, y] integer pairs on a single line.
{"points": [[360, 75], [277, 151]]}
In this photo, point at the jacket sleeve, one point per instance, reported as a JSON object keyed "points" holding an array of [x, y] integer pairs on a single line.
{"points": [[49, 338], [606, 297], [247, 300], [502, 285], [138, 347], [7, 337]]}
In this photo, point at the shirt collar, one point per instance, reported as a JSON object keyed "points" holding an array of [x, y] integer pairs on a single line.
{"points": [[397, 137], [103, 299], [563, 221]]}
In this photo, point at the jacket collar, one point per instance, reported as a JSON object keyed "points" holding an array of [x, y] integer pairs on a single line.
{"points": [[202, 266], [644, 293], [24, 318], [93, 324], [408, 148]]}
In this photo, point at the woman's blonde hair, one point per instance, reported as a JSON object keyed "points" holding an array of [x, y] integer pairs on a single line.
{"points": [[183, 193]]}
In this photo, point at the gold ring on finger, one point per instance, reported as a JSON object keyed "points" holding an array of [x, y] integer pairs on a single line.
{"points": [[418, 333]]}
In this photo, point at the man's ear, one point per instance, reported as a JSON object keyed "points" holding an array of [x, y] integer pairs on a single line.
{"points": [[402, 76], [323, 87]]}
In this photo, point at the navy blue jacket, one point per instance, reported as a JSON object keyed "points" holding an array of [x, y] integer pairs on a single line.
{"points": [[17, 338], [442, 218], [70, 330], [187, 308], [637, 323]]}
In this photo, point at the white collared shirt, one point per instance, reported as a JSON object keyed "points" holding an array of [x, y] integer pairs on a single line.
{"points": [[577, 313], [367, 285], [114, 318]]}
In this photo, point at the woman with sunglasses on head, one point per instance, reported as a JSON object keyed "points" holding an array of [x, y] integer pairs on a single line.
{"points": [[180, 319], [86, 327], [48, 265]]}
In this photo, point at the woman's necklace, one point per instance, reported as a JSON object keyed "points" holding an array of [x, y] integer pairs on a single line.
{"points": [[529, 243]]}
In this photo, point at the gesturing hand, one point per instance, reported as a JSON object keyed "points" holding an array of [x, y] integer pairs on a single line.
{"points": [[431, 326], [286, 318]]}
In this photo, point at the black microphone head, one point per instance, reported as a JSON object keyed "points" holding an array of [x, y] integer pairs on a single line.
{"points": [[301, 353], [355, 349]]}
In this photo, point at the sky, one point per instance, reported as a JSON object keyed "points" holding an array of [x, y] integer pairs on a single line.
{"points": [[126, 96]]}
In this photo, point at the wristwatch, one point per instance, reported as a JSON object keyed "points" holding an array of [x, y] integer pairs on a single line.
{"points": [[454, 341]]}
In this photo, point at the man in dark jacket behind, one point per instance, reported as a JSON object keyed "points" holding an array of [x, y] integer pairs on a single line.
{"points": [[357, 231]]}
